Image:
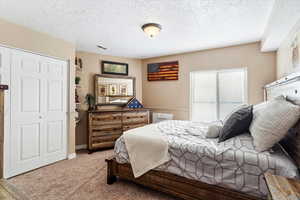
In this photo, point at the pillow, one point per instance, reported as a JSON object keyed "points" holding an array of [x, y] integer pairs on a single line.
{"points": [[213, 131], [293, 99], [233, 111], [273, 123], [258, 109], [238, 123]]}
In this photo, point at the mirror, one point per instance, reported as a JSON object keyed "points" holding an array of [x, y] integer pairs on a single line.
{"points": [[113, 90]]}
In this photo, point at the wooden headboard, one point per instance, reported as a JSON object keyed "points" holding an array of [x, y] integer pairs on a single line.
{"points": [[288, 86]]}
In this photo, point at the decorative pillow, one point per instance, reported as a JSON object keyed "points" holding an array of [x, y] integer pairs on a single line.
{"points": [[258, 109], [273, 123], [238, 123], [213, 131], [233, 111], [293, 99]]}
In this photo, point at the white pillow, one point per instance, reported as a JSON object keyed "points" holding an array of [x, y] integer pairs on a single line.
{"points": [[294, 99], [213, 131], [258, 109], [273, 122]]}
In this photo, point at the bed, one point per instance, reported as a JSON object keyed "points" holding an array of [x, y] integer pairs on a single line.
{"points": [[201, 168]]}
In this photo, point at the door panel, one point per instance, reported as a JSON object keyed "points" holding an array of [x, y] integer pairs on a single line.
{"points": [[30, 141], [38, 114], [30, 94], [55, 95], [55, 136], [54, 69], [30, 64]]}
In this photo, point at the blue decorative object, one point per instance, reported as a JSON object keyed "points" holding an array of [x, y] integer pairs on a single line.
{"points": [[134, 103]]}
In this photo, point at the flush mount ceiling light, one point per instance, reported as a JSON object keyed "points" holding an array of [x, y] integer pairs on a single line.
{"points": [[151, 29], [101, 47]]}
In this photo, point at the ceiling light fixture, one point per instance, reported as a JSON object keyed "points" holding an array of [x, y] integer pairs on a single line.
{"points": [[151, 29], [101, 47]]}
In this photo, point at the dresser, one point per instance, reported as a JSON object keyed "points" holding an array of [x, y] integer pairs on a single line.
{"points": [[106, 126]]}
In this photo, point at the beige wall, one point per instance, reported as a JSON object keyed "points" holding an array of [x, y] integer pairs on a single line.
{"points": [[91, 66], [20, 37], [173, 96], [284, 53]]}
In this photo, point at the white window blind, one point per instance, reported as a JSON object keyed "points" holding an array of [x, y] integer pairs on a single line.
{"points": [[215, 93]]}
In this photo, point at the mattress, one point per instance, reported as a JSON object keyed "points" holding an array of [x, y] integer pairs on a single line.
{"points": [[231, 164]]}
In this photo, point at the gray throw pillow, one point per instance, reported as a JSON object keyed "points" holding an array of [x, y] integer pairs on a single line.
{"points": [[238, 123], [233, 111]]}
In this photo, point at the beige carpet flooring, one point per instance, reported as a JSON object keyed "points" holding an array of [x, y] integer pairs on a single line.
{"points": [[82, 178]]}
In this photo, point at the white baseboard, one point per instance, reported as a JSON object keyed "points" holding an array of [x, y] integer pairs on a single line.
{"points": [[71, 156], [81, 146]]}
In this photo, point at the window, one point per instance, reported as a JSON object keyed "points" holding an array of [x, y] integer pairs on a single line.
{"points": [[215, 93]]}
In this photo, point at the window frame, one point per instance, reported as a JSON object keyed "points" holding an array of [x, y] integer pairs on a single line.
{"points": [[245, 95]]}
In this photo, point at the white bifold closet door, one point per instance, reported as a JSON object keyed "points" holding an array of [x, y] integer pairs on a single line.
{"points": [[38, 112]]}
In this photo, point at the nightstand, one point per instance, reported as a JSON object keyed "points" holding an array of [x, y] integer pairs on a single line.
{"points": [[282, 188]]}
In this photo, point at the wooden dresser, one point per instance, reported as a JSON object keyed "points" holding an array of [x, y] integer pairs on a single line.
{"points": [[106, 126]]}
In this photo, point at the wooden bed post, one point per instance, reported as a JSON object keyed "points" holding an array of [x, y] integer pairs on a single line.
{"points": [[111, 177]]}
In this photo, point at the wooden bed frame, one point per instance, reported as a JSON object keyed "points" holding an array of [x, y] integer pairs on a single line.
{"points": [[195, 190], [172, 184]]}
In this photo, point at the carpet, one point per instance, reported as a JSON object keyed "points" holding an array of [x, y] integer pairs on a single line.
{"points": [[82, 178]]}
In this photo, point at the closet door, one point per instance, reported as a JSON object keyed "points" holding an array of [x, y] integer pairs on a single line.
{"points": [[38, 111], [55, 111]]}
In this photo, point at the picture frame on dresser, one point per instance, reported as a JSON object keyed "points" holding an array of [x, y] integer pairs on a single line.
{"points": [[112, 90]]}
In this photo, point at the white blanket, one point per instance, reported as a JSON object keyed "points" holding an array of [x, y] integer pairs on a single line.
{"points": [[147, 148]]}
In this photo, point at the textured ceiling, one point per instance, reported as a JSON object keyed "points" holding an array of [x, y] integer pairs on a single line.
{"points": [[188, 25], [285, 15]]}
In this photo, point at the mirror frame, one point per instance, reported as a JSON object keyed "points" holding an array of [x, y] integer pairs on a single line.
{"points": [[115, 77]]}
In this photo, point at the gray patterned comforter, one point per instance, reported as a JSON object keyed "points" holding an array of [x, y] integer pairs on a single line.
{"points": [[232, 164]]}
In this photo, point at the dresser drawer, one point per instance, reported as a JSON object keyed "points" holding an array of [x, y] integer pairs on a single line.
{"points": [[107, 127], [106, 133], [109, 138], [131, 126], [135, 118], [139, 114], [106, 118], [135, 121]]}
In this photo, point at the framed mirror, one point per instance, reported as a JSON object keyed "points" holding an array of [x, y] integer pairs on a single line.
{"points": [[113, 90]]}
